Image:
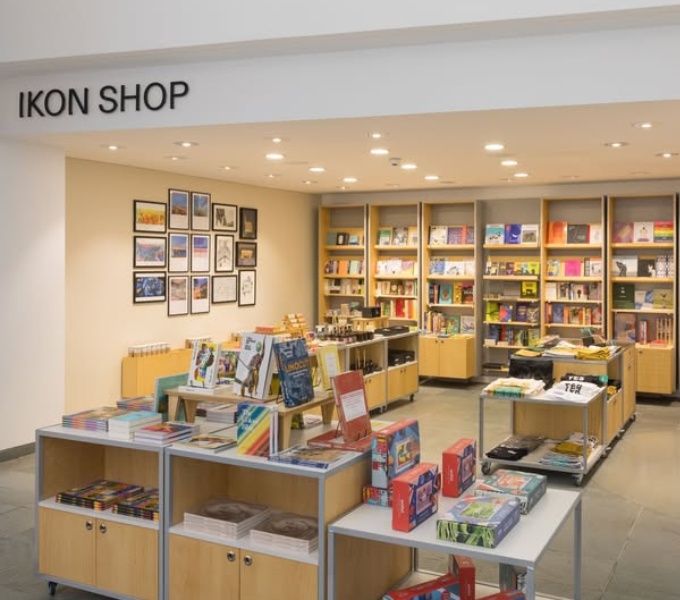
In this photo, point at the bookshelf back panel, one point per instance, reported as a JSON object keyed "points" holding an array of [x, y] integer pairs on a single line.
{"points": [[642, 208], [398, 215], [452, 214], [340, 490], [67, 464], [350, 217], [519, 210], [131, 466], [575, 210]]}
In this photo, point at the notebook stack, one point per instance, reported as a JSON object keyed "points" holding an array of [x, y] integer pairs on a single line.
{"points": [[96, 419], [123, 427], [288, 532], [98, 495], [143, 505], [222, 413], [162, 434], [209, 443], [137, 403], [226, 518]]}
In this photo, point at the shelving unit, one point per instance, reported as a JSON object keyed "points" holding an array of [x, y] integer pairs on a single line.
{"points": [[572, 266], [394, 282], [448, 296], [342, 266], [642, 258], [201, 565], [97, 551]]}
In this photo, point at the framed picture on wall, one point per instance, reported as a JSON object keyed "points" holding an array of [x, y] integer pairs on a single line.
{"points": [[224, 253], [178, 256], [200, 211], [248, 223], [179, 209], [200, 294], [224, 288], [148, 287], [200, 253], [224, 217], [246, 287], [246, 254], [150, 217], [150, 252], [178, 295]]}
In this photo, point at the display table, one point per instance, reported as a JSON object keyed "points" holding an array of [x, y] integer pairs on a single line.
{"points": [[358, 541], [179, 399]]}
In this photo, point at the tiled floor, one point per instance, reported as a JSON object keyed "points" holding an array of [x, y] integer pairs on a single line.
{"points": [[631, 505]]}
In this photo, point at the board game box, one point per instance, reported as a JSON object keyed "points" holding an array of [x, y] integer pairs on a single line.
{"points": [[528, 488], [445, 587], [415, 496], [459, 467], [463, 568], [377, 496], [479, 521], [395, 449]]}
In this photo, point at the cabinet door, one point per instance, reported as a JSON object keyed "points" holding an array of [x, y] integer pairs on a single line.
{"points": [[127, 559], [629, 385], [203, 570], [66, 545], [656, 370], [428, 358], [375, 390], [456, 359], [264, 576]]}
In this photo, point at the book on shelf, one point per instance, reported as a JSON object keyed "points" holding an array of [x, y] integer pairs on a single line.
{"points": [[412, 236], [147, 403], [331, 238], [354, 239], [98, 495], [227, 361], [643, 232], [625, 327], [578, 233], [94, 419], [550, 290], [622, 232], [573, 267], [529, 289], [221, 413], [257, 429], [455, 235], [625, 266], [209, 443], [142, 505], [505, 312], [384, 236], [438, 235], [595, 266], [287, 531], [491, 268], [646, 266], [557, 232], [492, 311], [662, 298], [557, 309], [494, 234], [533, 313], [223, 517], [445, 293], [165, 433], [342, 238], [254, 370], [642, 334], [295, 373], [437, 265], [470, 234], [521, 312], [529, 234], [513, 233], [123, 426], [328, 363], [308, 456], [161, 387], [204, 364], [399, 236], [663, 232], [553, 267], [595, 233], [467, 324], [623, 295]]}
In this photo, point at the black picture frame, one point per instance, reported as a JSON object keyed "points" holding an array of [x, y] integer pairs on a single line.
{"points": [[246, 254], [223, 253], [178, 252], [178, 295], [224, 289], [247, 222], [200, 211], [200, 294], [149, 252], [224, 217], [148, 287], [247, 287], [178, 202], [149, 217]]}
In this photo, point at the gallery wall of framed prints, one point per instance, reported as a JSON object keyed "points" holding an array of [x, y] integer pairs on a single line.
{"points": [[192, 253]]}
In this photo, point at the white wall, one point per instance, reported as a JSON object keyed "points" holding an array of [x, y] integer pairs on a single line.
{"points": [[32, 275], [102, 320]]}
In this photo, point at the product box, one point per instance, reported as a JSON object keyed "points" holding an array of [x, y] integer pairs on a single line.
{"points": [[463, 568], [512, 578], [459, 464], [479, 521], [395, 449], [415, 496], [528, 488], [505, 596], [443, 588], [377, 496]]}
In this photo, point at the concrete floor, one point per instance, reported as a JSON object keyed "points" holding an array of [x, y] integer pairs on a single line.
{"points": [[631, 508]]}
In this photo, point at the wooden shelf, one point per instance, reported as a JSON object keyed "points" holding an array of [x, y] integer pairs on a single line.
{"points": [[650, 280], [659, 311], [510, 277], [471, 306], [397, 248], [393, 277], [450, 277], [347, 247], [642, 246], [506, 247], [451, 247], [565, 301], [574, 279], [514, 323], [550, 246], [338, 276], [573, 325]]}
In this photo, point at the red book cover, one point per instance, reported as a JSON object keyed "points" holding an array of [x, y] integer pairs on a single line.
{"points": [[350, 399], [557, 232]]}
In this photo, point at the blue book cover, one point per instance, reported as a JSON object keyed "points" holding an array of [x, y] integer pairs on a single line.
{"points": [[295, 372], [513, 233]]}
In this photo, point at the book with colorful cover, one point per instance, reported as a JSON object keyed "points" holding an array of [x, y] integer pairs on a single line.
{"points": [[384, 236], [95, 419], [254, 369], [98, 495], [643, 232], [438, 235], [557, 232], [226, 365], [204, 364], [528, 488], [208, 442], [470, 234], [308, 456], [513, 233], [622, 232], [529, 234], [663, 232], [455, 235], [295, 373], [494, 234], [143, 505], [328, 363], [167, 432], [257, 433], [445, 293], [400, 236]]}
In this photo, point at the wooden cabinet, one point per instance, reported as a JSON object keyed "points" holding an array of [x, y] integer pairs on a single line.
{"points": [[402, 381], [656, 370], [97, 550], [452, 357], [205, 566], [376, 393]]}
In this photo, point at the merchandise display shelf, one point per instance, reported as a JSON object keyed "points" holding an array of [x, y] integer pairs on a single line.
{"points": [[52, 503]]}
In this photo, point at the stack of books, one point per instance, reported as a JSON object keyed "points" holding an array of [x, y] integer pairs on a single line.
{"points": [[123, 427], [222, 413], [320, 458], [137, 403], [101, 494], [226, 518], [96, 419], [209, 443], [162, 434], [143, 505], [288, 532]]}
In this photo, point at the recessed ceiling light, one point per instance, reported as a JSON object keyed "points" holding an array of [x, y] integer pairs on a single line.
{"points": [[227, 168], [274, 156], [494, 147], [379, 151], [376, 135], [409, 166], [507, 179], [308, 182], [643, 125], [521, 175], [431, 177], [112, 147], [317, 169], [350, 180], [186, 144], [615, 144], [341, 187], [570, 176], [666, 154], [175, 158], [277, 140], [273, 175], [509, 163]]}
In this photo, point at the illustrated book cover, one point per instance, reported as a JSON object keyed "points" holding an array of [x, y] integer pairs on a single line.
{"points": [[415, 496], [444, 587], [98, 495], [384, 236], [209, 442], [257, 429], [204, 363], [293, 532], [328, 363], [143, 505], [254, 369], [494, 233], [308, 456], [395, 449], [643, 232], [458, 467], [528, 488], [513, 233], [622, 232], [438, 235], [295, 373]]}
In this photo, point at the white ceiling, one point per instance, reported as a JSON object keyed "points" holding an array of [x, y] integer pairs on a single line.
{"points": [[553, 145]]}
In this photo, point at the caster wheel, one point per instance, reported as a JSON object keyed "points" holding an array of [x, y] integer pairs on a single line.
{"points": [[486, 468], [412, 397], [633, 417], [578, 480], [52, 585]]}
